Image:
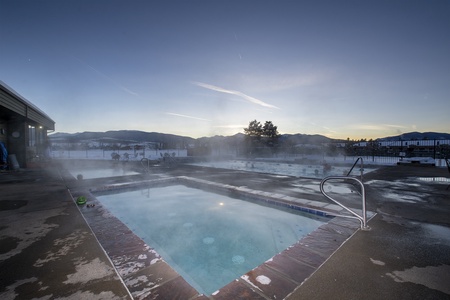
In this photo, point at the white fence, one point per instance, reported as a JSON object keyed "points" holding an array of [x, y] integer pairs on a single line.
{"points": [[123, 154], [99, 154]]}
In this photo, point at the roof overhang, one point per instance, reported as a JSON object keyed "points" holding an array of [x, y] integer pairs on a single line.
{"points": [[13, 101]]}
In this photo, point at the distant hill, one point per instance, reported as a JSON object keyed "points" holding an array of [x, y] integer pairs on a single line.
{"points": [[135, 136], [295, 139], [418, 136], [121, 136]]}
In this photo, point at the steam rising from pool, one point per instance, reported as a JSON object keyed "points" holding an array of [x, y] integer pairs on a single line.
{"points": [[289, 169], [91, 169]]}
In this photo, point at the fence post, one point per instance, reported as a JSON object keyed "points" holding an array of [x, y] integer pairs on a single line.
{"points": [[434, 150]]}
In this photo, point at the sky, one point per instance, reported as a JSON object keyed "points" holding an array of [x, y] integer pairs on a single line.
{"points": [[343, 69]]}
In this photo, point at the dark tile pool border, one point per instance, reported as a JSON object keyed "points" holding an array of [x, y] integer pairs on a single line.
{"points": [[148, 276]]}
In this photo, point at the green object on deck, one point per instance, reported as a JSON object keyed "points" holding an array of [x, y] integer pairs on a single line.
{"points": [[81, 200]]}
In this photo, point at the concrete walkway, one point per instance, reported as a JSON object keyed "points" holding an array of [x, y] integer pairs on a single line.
{"points": [[406, 254], [47, 250]]}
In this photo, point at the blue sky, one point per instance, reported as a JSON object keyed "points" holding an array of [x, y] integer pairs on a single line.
{"points": [[357, 69]]}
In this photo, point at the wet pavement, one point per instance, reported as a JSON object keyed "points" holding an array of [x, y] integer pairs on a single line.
{"points": [[48, 249]]}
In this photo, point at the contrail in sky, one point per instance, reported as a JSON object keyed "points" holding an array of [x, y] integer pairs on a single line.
{"points": [[185, 116], [232, 92], [109, 79], [231, 126]]}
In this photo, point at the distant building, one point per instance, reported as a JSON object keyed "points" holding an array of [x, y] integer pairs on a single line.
{"points": [[403, 148], [23, 127]]}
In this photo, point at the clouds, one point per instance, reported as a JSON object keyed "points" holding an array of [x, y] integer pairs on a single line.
{"points": [[186, 116], [291, 77], [236, 93], [307, 68], [379, 127], [374, 130]]}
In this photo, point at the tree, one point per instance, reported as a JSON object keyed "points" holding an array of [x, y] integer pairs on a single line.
{"points": [[259, 136], [253, 136], [349, 147], [270, 132], [254, 130]]}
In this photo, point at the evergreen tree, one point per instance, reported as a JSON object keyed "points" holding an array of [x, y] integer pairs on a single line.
{"points": [[270, 132], [259, 136], [254, 130]]}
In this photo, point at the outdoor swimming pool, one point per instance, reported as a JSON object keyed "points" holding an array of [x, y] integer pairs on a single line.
{"points": [[289, 169], [209, 239]]}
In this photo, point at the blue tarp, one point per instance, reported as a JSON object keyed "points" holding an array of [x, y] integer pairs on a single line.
{"points": [[3, 156]]}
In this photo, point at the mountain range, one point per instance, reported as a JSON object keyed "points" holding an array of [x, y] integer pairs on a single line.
{"points": [[124, 136], [135, 136], [418, 136]]}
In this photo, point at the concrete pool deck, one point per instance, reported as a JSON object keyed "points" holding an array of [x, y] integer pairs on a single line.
{"points": [[48, 250]]}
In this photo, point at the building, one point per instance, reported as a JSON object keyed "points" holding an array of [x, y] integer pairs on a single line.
{"points": [[436, 148], [23, 128]]}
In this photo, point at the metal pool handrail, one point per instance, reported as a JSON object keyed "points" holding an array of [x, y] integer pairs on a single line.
{"points": [[146, 168], [447, 161], [361, 167], [362, 218]]}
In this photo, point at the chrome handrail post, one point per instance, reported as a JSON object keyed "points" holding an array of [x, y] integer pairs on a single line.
{"points": [[361, 168], [362, 218], [148, 164]]}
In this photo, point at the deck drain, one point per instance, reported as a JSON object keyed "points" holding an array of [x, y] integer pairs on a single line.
{"points": [[237, 259]]}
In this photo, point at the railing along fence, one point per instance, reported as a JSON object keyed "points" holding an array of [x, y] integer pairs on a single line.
{"points": [[378, 153], [112, 154]]}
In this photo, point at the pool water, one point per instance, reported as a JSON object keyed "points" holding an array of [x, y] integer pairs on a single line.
{"points": [[209, 239]]}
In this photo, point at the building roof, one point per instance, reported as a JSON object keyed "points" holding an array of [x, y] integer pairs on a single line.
{"points": [[18, 104]]}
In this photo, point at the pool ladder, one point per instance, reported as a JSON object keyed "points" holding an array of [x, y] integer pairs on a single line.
{"points": [[354, 215], [361, 167], [146, 167]]}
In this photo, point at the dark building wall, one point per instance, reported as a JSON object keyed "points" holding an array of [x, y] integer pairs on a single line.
{"points": [[17, 142], [23, 126], [3, 131]]}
